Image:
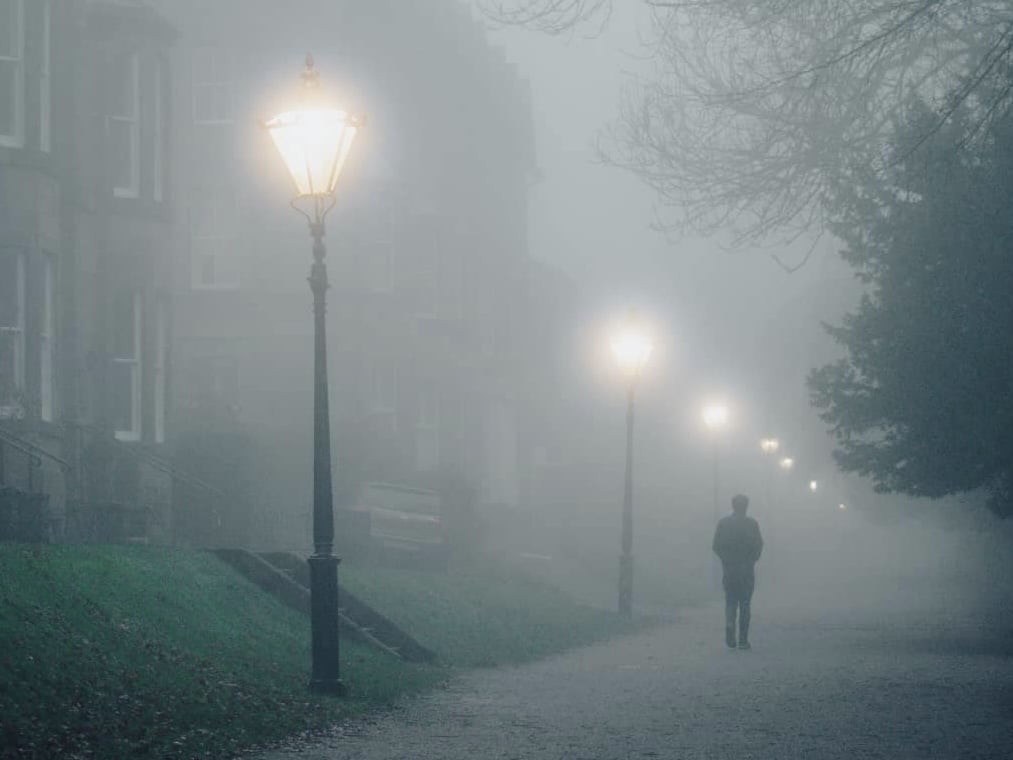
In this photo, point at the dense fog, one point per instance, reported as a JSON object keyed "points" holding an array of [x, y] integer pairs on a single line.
{"points": [[481, 254]]}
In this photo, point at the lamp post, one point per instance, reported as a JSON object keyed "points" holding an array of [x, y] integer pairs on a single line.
{"points": [[314, 140], [715, 417], [631, 348], [770, 446]]}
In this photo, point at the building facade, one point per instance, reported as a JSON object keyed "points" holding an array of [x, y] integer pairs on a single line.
{"points": [[427, 257], [85, 263]]}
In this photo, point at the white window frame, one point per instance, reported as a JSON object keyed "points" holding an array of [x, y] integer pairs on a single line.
{"points": [[17, 60], [13, 407], [158, 136], [207, 81], [135, 363], [161, 361], [47, 337], [223, 234], [132, 119], [45, 85]]}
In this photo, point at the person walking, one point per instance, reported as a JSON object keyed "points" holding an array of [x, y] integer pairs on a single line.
{"points": [[738, 544]]}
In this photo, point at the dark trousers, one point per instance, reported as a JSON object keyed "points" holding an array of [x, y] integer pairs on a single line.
{"points": [[738, 598]]}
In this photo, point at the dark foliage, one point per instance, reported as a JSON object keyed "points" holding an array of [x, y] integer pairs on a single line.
{"points": [[923, 401]]}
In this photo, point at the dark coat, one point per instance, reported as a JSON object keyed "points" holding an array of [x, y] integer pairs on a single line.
{"points": [[737, 541]]}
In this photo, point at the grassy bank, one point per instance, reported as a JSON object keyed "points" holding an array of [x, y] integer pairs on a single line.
{"points": [[481, 616], [158, 653]]}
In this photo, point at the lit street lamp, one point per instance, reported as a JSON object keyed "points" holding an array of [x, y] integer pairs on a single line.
{"points": [[770, 446], [715, 417], [813, 486], [314, 140], [787, 463], [631, 348]]}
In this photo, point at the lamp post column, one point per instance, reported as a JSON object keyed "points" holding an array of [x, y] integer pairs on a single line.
{"points": [[626, 558], [326, 676]]}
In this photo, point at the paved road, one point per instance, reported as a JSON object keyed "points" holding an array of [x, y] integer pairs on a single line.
{"points": [[885, 678]]}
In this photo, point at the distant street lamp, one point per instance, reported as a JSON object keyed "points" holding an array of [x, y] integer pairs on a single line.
{"points": [[842, 507], [770, 446], [314, 140], [715, 417], [786, 463], [632, 348], [813, 486]]}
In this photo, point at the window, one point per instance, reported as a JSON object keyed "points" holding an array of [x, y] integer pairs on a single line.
{"points": [[427, 430], [45, 90], [123, 126], [12, 73], [213, 231], [158, 137], [161, 358], [125, 385], [12, 335], [46, 343], [212, 86]]}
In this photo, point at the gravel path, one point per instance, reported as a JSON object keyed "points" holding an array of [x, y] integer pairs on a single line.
{"points": [[889, 679]]}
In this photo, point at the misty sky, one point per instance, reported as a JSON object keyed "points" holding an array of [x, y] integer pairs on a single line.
{"points": [[731, 321]]}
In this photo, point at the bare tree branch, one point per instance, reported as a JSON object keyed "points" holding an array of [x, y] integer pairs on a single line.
{"points": [[755, 109]]}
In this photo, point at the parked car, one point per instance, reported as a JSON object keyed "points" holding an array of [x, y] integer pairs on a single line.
{"points": [[393, 524]]}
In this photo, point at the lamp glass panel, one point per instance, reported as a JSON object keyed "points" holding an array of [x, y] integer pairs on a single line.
{"points": [[314, 146]]}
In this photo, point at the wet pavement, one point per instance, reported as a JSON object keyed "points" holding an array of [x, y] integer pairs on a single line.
{"points": [[881, 678]]}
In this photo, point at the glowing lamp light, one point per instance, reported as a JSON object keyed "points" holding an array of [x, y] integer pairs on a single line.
{"points": [[314, 139], [787, 463], [770, 445], [813, 486], [632, 347], [715, 416], [842, 507]]}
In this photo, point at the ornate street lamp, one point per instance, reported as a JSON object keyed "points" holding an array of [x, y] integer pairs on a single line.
{"points": [[314, 140], [715, 417], [632, 348], [770, 446]]}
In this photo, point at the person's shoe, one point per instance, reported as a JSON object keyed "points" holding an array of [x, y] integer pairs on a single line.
{"points": [[730, 638], [744, 644]]}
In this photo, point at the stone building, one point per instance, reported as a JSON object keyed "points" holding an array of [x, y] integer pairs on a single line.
{"points": [[427, 257], [85, 219]]}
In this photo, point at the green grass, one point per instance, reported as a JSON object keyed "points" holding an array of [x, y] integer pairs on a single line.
{"points": [[140, 652], [482, 616]]}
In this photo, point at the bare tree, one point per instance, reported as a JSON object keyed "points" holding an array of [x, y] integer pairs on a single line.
{"points": [[754, 109]]}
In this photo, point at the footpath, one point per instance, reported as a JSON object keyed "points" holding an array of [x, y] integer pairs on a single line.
{"points": [[884, 674]]}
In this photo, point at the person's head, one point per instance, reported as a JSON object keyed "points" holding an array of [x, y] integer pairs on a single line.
{"points": [[739, 504]]}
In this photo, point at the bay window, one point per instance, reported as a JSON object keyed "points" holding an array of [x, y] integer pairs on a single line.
{"points": [[123, 126], [12, 334], [125, 381], [46, 343], [45, 88], [12, 73]]}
